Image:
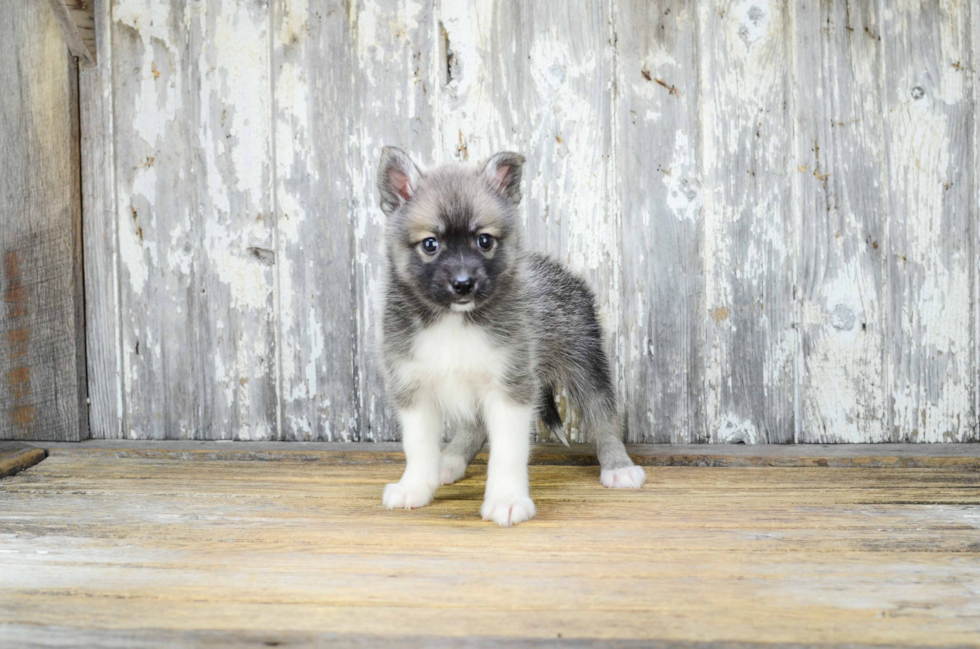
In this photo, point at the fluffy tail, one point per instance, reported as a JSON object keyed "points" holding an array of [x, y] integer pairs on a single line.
{"points": [[549, 414]]}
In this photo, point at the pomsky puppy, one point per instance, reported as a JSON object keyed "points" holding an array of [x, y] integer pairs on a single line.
{"points": [[480, 331]]}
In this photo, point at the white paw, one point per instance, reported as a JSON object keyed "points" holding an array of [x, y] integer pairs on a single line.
{"points": [[627, 477], [453, 469], [508, 511], [399, 495]]}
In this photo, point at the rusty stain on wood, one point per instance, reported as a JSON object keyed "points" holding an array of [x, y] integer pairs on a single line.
{"points": [[671, 89], [42, 351], [18, 379], [14, 295]]}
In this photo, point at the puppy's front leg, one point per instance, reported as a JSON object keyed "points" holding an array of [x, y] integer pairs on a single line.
{"points": [[507, 500], [421, 429]]}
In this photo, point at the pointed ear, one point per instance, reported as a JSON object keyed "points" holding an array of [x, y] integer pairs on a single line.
{"points": [[504, 171], [398, 179]]}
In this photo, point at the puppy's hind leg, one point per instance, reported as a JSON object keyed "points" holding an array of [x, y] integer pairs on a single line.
{"points": [[469, 438], [617, 470], [598, 406]]}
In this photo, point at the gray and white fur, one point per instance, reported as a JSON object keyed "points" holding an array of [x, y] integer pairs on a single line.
{"points": [[480, 331]]}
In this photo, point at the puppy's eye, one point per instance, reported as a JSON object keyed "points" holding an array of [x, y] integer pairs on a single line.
{"points": [[485, 241], [430, 245]]}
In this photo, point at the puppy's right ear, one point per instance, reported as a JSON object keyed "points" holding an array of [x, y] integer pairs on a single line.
{"points": [[398, 179]]}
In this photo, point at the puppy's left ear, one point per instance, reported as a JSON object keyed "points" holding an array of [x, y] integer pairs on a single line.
{"points": [[398, 179], [504, 171]]}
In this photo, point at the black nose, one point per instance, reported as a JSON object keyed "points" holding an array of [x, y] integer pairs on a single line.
{"points": [[463, 285]]}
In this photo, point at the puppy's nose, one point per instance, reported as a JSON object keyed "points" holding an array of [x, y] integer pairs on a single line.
{"points": [[463, 284]]}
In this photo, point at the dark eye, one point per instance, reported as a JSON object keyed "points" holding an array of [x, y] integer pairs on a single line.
{"points": [[485, 241], [430, 245]]}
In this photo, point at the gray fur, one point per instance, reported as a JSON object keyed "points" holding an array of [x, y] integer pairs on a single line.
{"points": [[529, 305], [468, 440]]}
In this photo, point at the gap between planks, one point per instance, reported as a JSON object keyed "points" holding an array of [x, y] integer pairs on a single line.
{"points": [[963, 456]]}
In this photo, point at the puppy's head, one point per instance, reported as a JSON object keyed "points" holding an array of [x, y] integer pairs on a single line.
{"points": [[453, 233]]}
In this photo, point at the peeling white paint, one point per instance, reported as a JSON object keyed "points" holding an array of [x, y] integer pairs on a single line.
{"points": [[556, 104], [293, 16], [250, 286], [683, 186], [932, 358], [239, 43], [467, 117], [733, 430], [316, 338], [153, 114], [131, 253]]}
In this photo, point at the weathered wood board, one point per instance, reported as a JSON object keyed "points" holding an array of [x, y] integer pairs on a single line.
{"points": [[662, 220], [750, 229], [139, 549], [195, 220], [783, 240], [840, 180], [99, 232], [42, 328], [312, 119], [929, 119], [975, 40]]}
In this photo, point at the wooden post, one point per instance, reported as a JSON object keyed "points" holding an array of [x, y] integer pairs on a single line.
{"points": [[42, 329]]}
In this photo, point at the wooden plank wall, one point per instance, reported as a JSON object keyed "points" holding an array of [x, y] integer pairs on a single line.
{"points": [[42, 327], [776, 202]]}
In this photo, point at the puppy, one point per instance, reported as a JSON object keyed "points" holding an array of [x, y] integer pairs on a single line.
{"points": [[480, 331]]}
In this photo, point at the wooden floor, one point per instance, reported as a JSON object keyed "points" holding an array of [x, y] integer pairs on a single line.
{"points": [[99, 549]]}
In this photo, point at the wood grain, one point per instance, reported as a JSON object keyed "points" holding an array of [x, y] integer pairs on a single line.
{"points": [[663, 228], [162, 361], [55, 636], [42, 328], [975, 160], [814, 556], [194, 182], [839, 180], [313, 113], [237, 316], [99, 235], [929, 116], [750, 233]]}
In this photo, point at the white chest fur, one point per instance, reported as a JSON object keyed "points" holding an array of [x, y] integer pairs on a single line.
{"points": [[456, 363]]}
